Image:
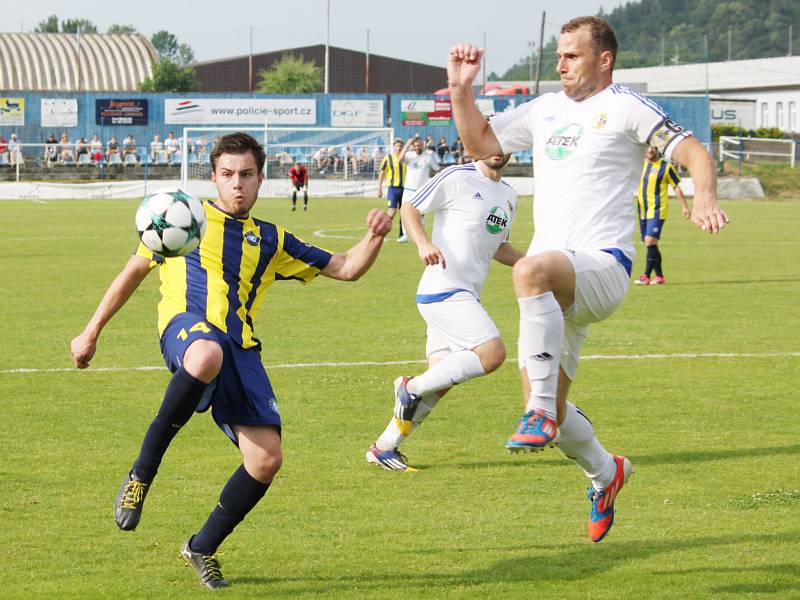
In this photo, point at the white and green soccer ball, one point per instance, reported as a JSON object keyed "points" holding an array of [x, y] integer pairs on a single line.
{"points": [[171, 222]]}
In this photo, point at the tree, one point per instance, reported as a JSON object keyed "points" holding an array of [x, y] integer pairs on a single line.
{"points": [[166, 44], [72, 26], [168, 76], [121, 29], [49, 25], [185, 55], [169, 48], [290, 75]]}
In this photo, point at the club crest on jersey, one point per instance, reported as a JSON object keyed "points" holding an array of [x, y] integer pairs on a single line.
{"points": [[497, 221], [599, 121], [563, 141], [251, 238]]}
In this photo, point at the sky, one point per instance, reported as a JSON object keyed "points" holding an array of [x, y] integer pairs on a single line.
{"points": [[420, 31]]}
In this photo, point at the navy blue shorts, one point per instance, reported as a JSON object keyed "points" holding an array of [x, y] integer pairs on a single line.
{"points": [[242, 393], [394, 196], [651, 227]]}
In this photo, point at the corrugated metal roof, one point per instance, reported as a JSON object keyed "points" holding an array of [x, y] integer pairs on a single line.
{"points": [[734, 75], [49, 61]]}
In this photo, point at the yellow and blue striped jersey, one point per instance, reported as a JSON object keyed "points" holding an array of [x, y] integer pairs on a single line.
{"points": [[227, 276], [653, 193], [395, 170]]}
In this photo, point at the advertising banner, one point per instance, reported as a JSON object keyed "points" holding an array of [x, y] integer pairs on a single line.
{"points": [[357, 113], [59, 112], [12, 111], [729, 111], [120, 112], [426, 112], [244, 111]]}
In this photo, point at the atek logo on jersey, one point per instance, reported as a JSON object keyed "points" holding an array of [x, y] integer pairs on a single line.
{"points": [[251, 238], [563, 141], [497, 221]]}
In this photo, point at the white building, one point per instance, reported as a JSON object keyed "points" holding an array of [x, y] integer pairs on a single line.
{"points": [[772, 83]]}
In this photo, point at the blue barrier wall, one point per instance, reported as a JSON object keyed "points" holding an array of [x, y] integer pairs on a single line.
{"points": [[33, 132], [690, 111]]}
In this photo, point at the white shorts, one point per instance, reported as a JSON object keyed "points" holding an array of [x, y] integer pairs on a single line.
{"points": [[456, 323], [601, 284]]}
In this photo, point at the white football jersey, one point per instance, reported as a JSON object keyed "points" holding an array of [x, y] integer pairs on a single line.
{"points": [[472, 217], [419, 169], [587, 157]]}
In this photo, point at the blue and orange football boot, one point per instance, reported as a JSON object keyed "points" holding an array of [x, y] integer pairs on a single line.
{"points": [[601, 515], [534, 433]]}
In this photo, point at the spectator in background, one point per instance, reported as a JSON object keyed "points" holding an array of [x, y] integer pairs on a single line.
{"points": [[350, 157], [429, 143], [157, 148], [81, 148], [65, 153], [201, 147], [334, 159], [321, 158], [3, 144], [362, 159], [96, 148], [112, 149], [442, 149], [15, 150], [50, 150], [171, 145], [457, 151], [129, 147]]}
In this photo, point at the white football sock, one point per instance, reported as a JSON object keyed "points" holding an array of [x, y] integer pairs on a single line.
{"points": [[455, 368], [541, 331], [579, 443], [392, 436]]}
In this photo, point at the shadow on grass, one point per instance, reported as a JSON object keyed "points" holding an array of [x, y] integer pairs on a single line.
{"points": [[558, 459], [711, 455], [555, 563]]}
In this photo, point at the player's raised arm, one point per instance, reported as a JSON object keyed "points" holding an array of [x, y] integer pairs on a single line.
{"points": [[428, 253], [706, 214], [350, 265], [83, 347], [463, 67]]}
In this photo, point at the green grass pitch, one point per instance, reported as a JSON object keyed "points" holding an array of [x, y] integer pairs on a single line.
{"points": [[705, 406]]}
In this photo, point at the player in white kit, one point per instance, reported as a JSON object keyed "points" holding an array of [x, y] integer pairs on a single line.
{"points": [[420, 165], [588, 144], [473, 211]]}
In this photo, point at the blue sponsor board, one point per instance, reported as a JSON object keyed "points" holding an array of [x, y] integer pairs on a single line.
{"points": [[112, 111]]}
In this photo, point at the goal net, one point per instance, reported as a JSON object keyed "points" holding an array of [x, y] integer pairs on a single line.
{"points": [[335, 154]]}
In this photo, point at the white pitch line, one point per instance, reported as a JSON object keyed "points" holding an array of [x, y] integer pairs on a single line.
{"points": [[323, 233], [375, 363]]}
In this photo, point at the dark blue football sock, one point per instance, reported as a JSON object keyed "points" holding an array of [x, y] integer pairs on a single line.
{"points": [[651, 258], [183, 394], [657, 262], [238, 497]]}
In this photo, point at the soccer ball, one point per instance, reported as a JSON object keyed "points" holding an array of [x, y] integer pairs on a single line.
{"points": [[171, 222]]}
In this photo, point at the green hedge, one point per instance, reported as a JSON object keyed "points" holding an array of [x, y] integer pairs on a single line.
{"points": [[733, 130]]}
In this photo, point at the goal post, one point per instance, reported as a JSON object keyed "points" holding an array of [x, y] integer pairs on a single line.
{"points": [[329, 153]]}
